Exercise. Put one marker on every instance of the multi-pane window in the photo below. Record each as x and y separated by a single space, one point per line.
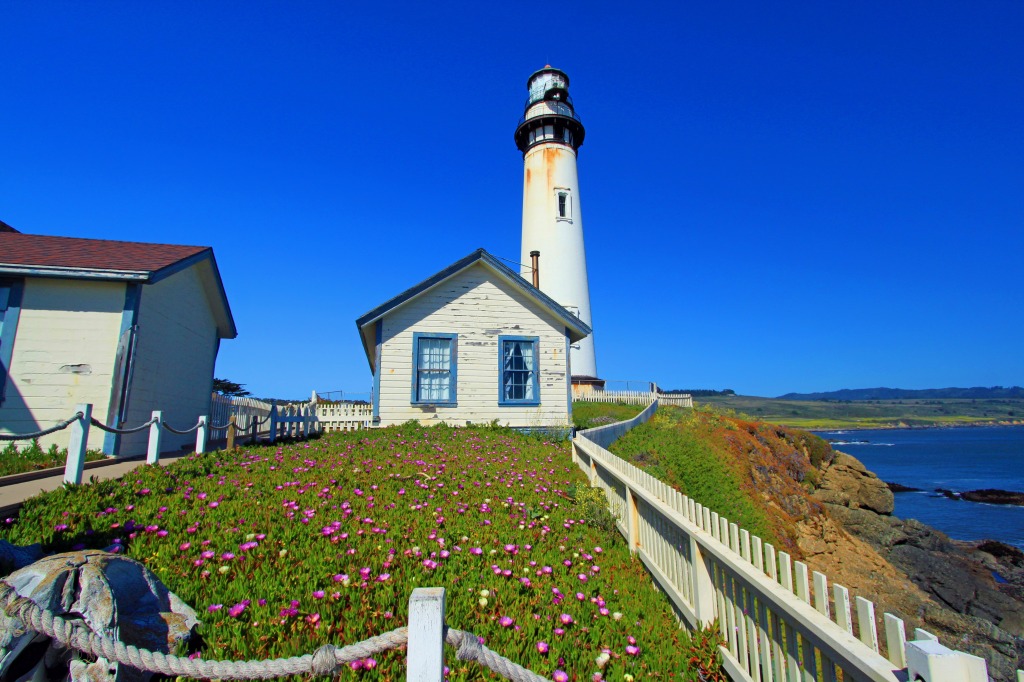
518 363
564 208
434 368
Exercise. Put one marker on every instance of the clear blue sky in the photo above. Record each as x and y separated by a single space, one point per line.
776 196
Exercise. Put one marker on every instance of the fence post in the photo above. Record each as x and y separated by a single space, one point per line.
426 635
273 422
153 454
703 585
632 521
201 435
232 427
75 463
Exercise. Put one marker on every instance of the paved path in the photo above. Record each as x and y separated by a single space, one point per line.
12 494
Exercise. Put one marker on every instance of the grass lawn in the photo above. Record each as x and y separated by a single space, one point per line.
586 415
866 414
677 446
283 549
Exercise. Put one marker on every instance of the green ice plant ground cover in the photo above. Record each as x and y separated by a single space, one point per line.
283 549
15 459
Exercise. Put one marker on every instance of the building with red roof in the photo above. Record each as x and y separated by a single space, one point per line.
128 327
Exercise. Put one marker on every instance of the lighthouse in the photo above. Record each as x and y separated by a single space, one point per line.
549 135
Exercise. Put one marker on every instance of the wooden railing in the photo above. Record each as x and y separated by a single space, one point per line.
713 570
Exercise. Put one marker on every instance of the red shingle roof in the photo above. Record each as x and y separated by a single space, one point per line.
90 254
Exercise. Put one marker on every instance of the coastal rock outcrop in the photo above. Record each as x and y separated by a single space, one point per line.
955 592
847 483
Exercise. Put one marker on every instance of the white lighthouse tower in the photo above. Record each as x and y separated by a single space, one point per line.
549 135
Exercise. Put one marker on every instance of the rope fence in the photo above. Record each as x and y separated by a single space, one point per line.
45 432
184 432
327 660
122 432
288 421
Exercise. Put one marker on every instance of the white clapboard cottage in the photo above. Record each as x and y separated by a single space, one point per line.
474 344
126 326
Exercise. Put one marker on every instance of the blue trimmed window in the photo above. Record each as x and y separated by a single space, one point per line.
435 368
518 371
10 307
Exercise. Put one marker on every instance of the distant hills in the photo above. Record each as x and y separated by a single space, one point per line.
853 394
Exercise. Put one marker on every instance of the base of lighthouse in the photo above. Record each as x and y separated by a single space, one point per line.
584 385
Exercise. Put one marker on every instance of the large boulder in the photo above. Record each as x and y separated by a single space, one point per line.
847 483
112 595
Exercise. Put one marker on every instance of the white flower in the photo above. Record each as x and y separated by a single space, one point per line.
602 660
485 593
223 569
617 615
282 554
482 601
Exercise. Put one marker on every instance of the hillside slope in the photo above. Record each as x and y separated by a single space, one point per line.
791 488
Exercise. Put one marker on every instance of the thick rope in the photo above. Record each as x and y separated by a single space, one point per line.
181 433
45 432
110 429
469 648
325 661
219 427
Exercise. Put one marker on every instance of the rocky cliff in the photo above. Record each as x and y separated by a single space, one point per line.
953 590
827 510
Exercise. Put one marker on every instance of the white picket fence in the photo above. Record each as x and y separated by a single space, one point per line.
634 397
778 623
343 416
245 410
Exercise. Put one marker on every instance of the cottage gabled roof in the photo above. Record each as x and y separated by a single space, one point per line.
578 329
101 255
35 255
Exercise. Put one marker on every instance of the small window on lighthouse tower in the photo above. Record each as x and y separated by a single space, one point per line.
564 204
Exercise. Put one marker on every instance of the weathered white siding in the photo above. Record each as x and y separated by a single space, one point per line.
478 306
63 355
174 360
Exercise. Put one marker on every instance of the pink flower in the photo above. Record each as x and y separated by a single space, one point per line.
542 647
370 663
565 619
506 622
213 608
318 594
237 610
632 650
560 676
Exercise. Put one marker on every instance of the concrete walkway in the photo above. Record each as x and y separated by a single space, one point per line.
14 489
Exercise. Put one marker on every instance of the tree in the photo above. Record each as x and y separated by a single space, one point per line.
229 388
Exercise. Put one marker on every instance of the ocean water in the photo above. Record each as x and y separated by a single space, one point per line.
960 459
